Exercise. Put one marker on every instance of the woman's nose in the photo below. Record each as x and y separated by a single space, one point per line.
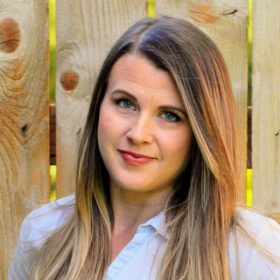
141 130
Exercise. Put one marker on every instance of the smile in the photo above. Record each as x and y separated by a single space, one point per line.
133 158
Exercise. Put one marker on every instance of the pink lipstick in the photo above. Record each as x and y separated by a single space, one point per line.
133 158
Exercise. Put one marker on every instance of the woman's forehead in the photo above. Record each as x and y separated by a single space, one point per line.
138 69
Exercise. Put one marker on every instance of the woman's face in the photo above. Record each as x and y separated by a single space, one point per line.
144 135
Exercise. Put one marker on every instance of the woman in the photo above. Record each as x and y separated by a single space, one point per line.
156 174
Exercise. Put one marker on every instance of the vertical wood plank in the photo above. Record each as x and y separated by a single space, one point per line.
226 24
266 106
24 121
86 30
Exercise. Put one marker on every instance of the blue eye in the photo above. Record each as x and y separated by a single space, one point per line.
170 116
125 103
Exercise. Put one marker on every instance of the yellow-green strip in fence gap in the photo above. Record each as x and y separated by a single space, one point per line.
249 192
151 8
53 182
52 44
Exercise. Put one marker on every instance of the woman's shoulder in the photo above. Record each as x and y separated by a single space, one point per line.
264 230
35 229
42 221
255 245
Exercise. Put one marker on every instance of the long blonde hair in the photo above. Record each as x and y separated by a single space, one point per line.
200 210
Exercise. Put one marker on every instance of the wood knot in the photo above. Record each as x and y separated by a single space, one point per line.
69 80
203 12
9 35
79 132
24 130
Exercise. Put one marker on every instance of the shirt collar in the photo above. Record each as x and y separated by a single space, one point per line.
158 224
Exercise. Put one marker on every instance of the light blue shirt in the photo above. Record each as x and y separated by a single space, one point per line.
140 258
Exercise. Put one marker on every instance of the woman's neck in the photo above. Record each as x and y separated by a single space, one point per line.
132 209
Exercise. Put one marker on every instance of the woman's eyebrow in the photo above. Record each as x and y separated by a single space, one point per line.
122 91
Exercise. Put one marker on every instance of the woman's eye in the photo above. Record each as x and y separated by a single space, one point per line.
125 103
170 116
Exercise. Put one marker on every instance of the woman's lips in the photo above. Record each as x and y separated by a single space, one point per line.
133 158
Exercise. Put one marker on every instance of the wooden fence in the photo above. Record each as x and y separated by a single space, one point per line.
85 32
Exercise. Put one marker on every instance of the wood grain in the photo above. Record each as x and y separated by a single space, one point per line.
24 122
86 30
226 24
266 106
